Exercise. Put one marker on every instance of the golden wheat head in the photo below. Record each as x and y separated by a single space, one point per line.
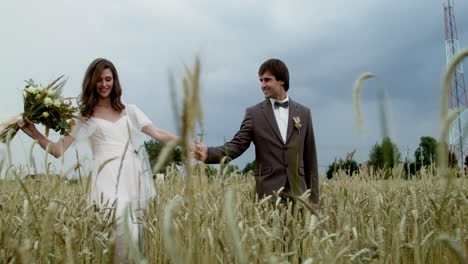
357 101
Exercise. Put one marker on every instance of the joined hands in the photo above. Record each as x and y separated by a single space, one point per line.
201 151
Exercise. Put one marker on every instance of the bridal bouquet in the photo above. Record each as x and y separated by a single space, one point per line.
42 105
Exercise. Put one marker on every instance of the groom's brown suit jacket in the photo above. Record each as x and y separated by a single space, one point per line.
276 162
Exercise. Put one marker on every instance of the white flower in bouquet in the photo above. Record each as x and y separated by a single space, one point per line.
51 91
32 90
57 103
45 114
48 101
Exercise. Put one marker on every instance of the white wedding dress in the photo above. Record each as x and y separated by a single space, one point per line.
121 171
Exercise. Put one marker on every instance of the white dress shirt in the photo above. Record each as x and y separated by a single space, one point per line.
281 116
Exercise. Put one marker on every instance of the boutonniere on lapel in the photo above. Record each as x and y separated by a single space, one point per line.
297 123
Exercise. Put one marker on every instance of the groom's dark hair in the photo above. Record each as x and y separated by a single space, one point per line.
278 69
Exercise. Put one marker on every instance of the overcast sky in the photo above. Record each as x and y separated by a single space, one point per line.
326 45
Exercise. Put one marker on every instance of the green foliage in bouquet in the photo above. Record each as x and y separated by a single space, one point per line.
46 106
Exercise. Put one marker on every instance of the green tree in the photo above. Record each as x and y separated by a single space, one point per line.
349 166
384 155
229 168
426 153
249 167
411 168
153 148
451 156
452 160
210 170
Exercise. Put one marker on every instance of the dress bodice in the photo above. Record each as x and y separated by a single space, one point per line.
110 138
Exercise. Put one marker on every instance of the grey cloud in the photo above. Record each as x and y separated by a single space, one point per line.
325 44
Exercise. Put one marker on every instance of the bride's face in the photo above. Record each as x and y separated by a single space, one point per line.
105 83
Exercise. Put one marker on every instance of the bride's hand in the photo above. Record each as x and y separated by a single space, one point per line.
29 128
201 151
192 147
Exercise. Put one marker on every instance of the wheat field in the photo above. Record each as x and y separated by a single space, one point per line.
362 219
218 219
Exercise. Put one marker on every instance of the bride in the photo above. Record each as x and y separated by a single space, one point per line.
120 174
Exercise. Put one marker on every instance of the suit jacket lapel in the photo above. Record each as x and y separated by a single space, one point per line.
270 116
293 112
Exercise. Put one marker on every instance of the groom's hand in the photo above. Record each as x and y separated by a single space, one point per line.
201 151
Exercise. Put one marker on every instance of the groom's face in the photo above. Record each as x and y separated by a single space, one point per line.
271 87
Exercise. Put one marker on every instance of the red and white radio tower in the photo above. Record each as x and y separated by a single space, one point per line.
457 93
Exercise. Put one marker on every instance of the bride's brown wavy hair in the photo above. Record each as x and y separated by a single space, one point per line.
89 96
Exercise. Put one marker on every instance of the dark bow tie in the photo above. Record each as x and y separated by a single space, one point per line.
283 104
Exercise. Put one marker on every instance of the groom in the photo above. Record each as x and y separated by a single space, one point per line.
281 130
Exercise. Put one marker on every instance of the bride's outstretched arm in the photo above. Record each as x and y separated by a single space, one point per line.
56 149
164 136
160 135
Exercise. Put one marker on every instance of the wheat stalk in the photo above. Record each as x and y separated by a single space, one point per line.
356 98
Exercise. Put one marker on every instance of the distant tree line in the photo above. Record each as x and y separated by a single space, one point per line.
386 156
383 156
